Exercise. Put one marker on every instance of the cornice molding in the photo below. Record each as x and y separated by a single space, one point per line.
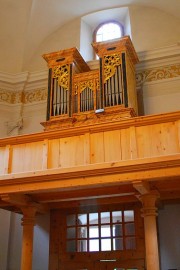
23 81
23 76
13 78
159 53
38 76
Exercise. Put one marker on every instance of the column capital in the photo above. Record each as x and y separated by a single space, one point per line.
149 203
29 213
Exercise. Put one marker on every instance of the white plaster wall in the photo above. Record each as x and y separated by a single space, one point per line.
169 236
4 118
152 28
13 234
33 115
15 243
162 96
85 41
65 37
4 238
12 38
9 117
127 25
41 243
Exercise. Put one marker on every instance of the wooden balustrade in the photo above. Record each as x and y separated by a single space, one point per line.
129 140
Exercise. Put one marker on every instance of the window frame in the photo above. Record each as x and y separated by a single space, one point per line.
110 222
107 22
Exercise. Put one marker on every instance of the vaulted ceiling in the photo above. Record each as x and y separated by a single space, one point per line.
25 24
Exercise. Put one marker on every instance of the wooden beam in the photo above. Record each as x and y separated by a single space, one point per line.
16 199
102 192
93 176
3 204
141 187
20 200
93 202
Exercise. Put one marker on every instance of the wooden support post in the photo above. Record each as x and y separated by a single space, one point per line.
133 143
149 212
7 159
28 222
45 155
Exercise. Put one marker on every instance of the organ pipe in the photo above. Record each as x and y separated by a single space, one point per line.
113 89
86 100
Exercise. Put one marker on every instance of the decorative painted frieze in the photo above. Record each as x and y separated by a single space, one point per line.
5 96
11 97
15 97
36 95
155 74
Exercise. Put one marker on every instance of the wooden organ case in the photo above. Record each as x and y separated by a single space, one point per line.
79 96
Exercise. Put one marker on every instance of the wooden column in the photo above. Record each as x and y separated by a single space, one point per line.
149 212
28 222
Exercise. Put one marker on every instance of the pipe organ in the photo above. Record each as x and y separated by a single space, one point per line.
77 94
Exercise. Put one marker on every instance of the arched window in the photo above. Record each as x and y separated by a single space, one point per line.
108 31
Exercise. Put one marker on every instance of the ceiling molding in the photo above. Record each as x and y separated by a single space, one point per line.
159 57
23 81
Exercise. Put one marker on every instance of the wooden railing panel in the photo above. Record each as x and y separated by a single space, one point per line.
54 154
157 140
72 151
97 147
87 148
144 142
17 158
169 138
27 157
157 147
2 160
177 124
133 143
112 145
125 144
66 152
